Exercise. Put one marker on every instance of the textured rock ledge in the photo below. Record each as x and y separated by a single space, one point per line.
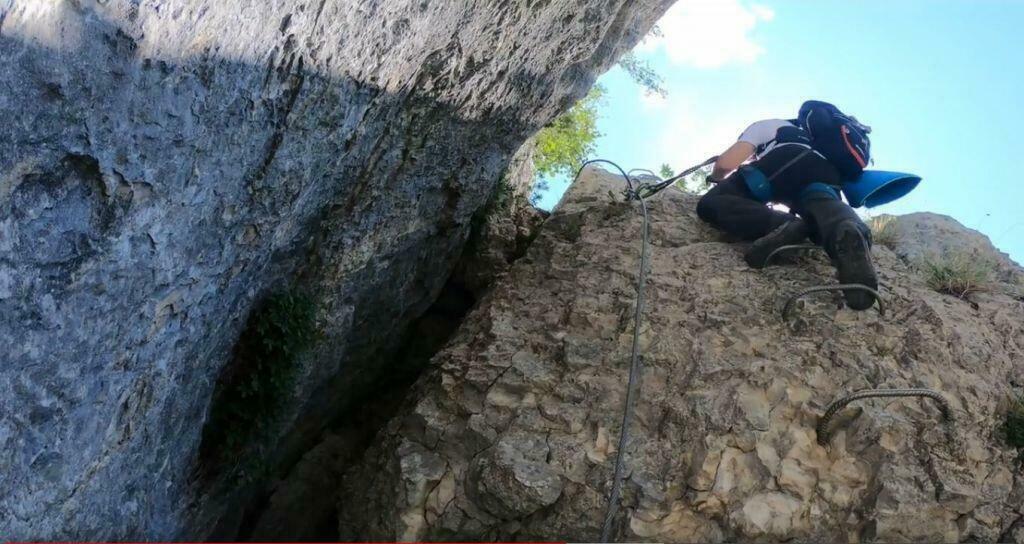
512 434
165 164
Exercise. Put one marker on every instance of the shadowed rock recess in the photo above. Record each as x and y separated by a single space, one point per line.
512 433
165 165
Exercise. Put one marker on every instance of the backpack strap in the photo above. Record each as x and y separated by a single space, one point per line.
790 163
760 186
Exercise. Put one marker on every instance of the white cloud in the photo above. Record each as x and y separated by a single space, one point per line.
763 12
689 135
709 33
690 131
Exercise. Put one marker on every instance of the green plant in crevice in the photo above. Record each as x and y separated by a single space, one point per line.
1013 426
959 274
262 370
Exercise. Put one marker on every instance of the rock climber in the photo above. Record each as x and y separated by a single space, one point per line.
799 163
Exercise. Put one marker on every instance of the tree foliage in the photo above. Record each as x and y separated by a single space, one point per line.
566 142
643 75
696 182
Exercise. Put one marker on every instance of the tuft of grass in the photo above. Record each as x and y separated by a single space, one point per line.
884 231
1013 427
960 274
250 390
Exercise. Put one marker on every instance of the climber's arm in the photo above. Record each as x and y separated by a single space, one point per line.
730 160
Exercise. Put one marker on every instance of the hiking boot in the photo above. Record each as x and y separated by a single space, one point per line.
851 255
791 232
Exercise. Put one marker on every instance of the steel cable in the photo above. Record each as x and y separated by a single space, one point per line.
632 388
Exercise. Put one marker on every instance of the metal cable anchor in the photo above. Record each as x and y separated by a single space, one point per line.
824 434
787 309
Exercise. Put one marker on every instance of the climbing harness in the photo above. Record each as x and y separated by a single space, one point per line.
825 434
787 309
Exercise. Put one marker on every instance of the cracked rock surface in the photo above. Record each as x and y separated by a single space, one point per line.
512 434
164 164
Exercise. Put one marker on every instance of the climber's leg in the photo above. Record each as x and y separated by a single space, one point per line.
792 232
837 228
824 213
730 206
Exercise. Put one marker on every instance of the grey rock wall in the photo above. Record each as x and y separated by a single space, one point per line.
164 163
925 236
513 432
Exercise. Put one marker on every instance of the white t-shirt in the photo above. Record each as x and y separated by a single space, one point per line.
762 135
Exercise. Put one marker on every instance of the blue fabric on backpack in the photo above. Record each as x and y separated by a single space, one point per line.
757 182
877 187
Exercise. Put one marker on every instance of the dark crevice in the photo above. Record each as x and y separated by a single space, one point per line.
1014 526
319 12
252 385
353 430
370 411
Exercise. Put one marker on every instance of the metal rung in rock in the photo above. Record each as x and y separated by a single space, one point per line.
783 249
825 434
787 309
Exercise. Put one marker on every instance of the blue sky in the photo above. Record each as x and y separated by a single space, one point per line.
941 82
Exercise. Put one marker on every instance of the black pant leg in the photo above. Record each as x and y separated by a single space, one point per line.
824 213
730 206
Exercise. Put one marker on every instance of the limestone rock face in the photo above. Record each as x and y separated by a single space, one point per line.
164 164
928 235
513 433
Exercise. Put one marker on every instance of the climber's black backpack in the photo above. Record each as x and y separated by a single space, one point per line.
839 137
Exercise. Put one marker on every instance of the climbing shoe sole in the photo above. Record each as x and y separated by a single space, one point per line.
853 264
791 232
